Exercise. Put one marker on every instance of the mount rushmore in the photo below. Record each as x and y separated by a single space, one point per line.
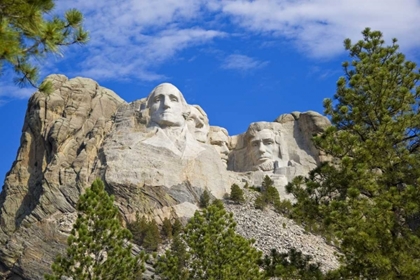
157 155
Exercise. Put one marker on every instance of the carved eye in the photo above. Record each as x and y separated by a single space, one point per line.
268 142
255 144
174 98
157 99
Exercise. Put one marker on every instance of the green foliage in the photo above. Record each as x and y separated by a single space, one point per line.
367 199
145 233
269 195
26 34
236 194
152 238
267 182
167 228
284 207
204 199
138 229
98 246
177 227
260 203
173 265
209 248
255 189
291 265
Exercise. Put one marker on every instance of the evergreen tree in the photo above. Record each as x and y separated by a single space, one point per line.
26 34
236 194
367 198
269 195
138 229
177 227
291 265
174 264
167 228
213 250
204 199
98 245
152 238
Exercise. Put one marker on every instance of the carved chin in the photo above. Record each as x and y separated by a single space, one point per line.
167 121
201 136
266 166
224 160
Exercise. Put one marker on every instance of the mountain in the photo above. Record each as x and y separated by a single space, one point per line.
156 155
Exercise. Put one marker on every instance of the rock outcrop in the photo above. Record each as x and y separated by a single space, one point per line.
156 155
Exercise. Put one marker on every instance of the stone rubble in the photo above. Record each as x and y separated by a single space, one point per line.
271 230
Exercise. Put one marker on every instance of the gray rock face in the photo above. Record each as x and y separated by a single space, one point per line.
61 138
156 155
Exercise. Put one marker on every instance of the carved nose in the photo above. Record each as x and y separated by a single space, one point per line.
225 149
166 104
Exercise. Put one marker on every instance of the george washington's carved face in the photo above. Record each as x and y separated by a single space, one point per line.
166 106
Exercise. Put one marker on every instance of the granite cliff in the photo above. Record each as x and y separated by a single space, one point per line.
156 155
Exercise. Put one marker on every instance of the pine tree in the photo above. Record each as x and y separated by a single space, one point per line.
236 194
213 250
98 245
138 229
269 195
173 265
152 238
25 34
205 199
177 227
291 265
167 228
367 199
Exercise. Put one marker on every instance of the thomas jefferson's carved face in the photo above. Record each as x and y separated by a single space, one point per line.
198 124
263 149
166 107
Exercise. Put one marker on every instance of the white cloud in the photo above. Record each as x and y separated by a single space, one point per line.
319 27
131 39
138 59
9 90
242 62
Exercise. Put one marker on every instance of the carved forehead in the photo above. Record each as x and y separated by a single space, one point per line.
262 135
166 89
218 133
218 136
261 130
197 111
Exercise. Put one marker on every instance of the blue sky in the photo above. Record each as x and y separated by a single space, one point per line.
241 60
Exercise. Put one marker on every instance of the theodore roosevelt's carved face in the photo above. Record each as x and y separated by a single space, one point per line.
263 149
166 106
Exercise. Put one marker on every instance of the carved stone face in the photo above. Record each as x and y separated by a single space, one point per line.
166 106
198 124
220 141
263 149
